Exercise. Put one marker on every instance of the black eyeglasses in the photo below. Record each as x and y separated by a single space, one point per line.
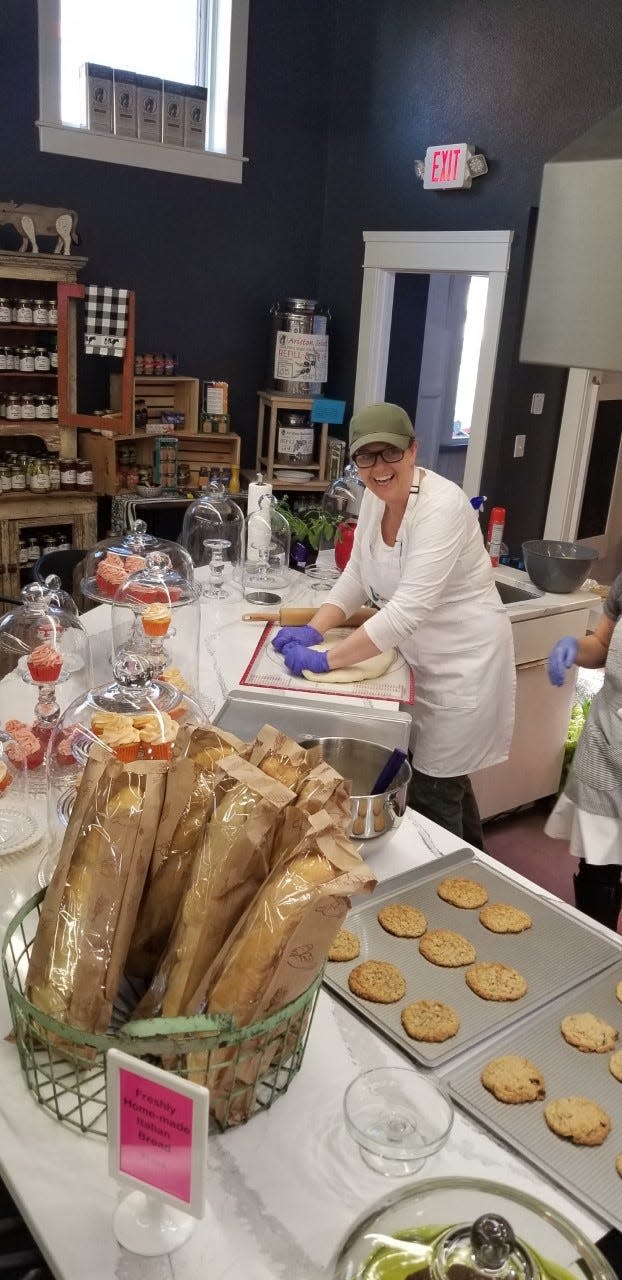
365 460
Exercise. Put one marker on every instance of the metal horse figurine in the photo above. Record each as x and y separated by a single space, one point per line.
32 220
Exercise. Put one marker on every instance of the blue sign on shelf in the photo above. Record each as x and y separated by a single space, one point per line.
328 410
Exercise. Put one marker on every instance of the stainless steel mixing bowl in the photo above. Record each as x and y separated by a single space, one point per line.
360 763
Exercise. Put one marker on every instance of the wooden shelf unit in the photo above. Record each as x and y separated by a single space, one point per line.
41 275
22 512
195 449
176 394
270 405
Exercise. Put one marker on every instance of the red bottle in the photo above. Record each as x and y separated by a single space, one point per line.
494 537
343 543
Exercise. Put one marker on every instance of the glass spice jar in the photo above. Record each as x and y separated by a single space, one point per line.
6 310
38 476
42 407
42 360
148 364
53 357
10 355
33 551
40 312
54 406
28 406
139 365
170 364
52 312
24 311
22 552
54 471
158 364
63 541
18 476
26 360
5 477
67 473
14 406
84 474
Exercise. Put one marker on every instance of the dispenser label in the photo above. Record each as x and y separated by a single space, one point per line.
301 357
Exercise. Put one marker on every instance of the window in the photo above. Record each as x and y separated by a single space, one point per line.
469 360
199 42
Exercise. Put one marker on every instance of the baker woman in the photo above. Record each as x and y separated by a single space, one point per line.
589 812
418 554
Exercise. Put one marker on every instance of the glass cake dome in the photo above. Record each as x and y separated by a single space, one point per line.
110 562
134 717
42 647
213 535
19 827
156 613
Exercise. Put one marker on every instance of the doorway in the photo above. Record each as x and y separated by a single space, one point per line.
586 494
457 255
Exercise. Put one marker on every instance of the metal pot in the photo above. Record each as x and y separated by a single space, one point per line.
360 764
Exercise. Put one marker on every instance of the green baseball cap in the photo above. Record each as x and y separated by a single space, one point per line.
381 424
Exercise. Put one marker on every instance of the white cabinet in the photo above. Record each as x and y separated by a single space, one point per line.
534 766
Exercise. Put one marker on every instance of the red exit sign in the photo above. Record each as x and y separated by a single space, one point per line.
446 166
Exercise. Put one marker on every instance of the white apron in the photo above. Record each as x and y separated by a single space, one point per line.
465 675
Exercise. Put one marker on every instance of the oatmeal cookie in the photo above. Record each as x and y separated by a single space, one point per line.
377 980
443 947
493 981
513 1079
402 920
429 1020
579 1119
501 918
345 946
462 892
588 1033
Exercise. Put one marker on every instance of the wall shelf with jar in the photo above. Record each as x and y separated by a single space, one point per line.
27 517
291 450
121 464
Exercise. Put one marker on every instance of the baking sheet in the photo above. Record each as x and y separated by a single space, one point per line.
557 953
267 670
589 1173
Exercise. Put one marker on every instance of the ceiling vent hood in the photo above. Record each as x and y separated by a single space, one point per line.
574 304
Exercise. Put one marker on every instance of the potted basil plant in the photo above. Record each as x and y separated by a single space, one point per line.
310 528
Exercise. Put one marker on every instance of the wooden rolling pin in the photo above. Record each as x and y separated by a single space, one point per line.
290 617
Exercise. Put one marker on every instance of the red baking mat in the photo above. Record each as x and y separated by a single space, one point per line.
266 670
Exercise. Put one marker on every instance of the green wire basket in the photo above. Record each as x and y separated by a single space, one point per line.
246 1069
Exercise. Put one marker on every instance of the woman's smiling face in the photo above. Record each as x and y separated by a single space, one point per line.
390 481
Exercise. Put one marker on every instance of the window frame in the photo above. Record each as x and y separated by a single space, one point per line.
69 140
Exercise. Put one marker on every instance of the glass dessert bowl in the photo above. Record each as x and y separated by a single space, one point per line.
399 1117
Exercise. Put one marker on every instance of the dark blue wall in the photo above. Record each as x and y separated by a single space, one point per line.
519 78
342 95
207 259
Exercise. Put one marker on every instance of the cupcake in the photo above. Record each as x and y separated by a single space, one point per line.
110 577
134 564
156 620
64 754
157 734
103 722
173 676
45 664
5 777
125 743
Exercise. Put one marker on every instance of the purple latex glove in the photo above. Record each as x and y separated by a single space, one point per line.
295 635
299 658
561 658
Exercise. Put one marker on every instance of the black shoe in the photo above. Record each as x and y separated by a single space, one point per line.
597 899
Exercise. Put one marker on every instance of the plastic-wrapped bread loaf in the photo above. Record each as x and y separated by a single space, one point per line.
274 954
187 810
282 758
232 861
90 906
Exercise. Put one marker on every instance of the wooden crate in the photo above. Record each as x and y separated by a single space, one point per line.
196 450
177 395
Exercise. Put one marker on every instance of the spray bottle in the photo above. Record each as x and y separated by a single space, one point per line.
494 537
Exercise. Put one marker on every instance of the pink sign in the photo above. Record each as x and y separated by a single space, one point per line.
155 1135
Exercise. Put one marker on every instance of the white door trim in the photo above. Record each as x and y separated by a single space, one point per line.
573 453
472 252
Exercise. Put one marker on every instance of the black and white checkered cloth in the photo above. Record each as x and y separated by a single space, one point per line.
105 321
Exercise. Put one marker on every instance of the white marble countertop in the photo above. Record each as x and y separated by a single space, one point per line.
283 1190
541 604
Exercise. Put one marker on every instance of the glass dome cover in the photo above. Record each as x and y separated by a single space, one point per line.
156 614
18 826
443 1228
344 495
134 717
45 646
109 563
213 532
268 541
